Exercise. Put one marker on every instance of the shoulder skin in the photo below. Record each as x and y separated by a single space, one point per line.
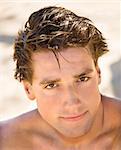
19 131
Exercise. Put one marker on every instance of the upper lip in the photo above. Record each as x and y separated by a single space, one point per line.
73 116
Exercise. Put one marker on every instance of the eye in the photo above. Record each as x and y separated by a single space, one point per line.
50 86
83 79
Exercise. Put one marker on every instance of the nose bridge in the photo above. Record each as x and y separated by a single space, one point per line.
71 95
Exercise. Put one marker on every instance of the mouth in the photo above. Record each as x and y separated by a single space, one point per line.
74 117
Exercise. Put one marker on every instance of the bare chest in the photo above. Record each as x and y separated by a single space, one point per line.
34 142
44 145
102 144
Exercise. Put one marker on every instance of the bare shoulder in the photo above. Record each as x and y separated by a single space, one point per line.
112 103
112 110
23 121
18 131
112 119
26 132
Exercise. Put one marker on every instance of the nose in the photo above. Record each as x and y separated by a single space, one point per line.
71 96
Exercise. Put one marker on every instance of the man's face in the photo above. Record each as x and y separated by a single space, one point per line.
67 97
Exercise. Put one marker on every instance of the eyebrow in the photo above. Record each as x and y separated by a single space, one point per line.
47 80
87 71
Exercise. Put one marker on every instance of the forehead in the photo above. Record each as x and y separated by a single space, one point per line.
70 59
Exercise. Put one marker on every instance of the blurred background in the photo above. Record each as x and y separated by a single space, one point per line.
13 15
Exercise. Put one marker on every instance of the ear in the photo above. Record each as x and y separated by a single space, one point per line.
99 74
28 89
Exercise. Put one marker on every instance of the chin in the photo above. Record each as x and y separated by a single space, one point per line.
75 133
77 130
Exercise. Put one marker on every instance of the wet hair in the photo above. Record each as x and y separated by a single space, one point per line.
54 28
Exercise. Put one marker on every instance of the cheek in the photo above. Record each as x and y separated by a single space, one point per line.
46 98
91 95
47 105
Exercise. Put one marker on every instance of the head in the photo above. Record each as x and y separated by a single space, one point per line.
56 57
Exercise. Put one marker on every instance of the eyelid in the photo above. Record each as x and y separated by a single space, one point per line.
85 73
48 84
82 77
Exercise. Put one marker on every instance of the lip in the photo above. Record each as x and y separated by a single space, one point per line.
74 117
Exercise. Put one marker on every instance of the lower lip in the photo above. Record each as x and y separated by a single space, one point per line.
74 118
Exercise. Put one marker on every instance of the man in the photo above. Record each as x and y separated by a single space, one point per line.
56 59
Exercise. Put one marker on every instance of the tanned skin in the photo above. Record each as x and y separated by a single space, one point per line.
71 113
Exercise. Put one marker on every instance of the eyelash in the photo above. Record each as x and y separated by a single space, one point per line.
49 86
83 79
